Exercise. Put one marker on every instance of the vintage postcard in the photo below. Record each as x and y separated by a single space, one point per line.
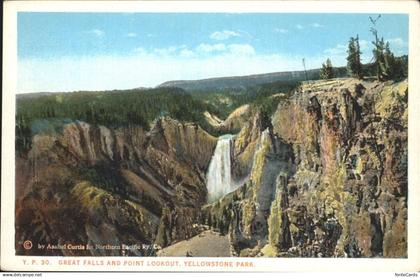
210 136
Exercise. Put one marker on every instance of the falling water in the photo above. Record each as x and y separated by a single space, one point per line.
219 175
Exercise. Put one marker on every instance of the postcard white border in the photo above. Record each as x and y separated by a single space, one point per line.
11 262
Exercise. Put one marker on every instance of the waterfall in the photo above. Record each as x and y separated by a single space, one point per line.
219 175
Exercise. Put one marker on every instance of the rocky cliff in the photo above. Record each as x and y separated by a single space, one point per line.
233 123
324 176
328 175
96 185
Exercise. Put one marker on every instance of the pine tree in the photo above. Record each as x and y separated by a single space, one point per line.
389 63
354 65
327 70
378 50
386 65
387 68
379 59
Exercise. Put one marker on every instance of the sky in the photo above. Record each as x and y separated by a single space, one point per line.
105 51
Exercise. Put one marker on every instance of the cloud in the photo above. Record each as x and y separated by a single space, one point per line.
171 50
202 50
317 25
186 53
232 49
96 32
241 49
223 35
131 35
398 46
397 43
364 45
281 30
245 34
313 25
339 49
207 48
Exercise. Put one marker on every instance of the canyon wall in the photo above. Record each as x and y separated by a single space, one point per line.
328 175
99 185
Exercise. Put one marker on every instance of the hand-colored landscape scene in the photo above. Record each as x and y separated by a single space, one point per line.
212 135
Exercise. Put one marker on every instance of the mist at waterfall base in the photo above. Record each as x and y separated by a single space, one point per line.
219 174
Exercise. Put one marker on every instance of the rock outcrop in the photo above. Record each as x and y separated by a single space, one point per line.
328 175
112 186
233 123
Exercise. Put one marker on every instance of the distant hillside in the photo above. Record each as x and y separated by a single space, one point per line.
243 81
33 95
